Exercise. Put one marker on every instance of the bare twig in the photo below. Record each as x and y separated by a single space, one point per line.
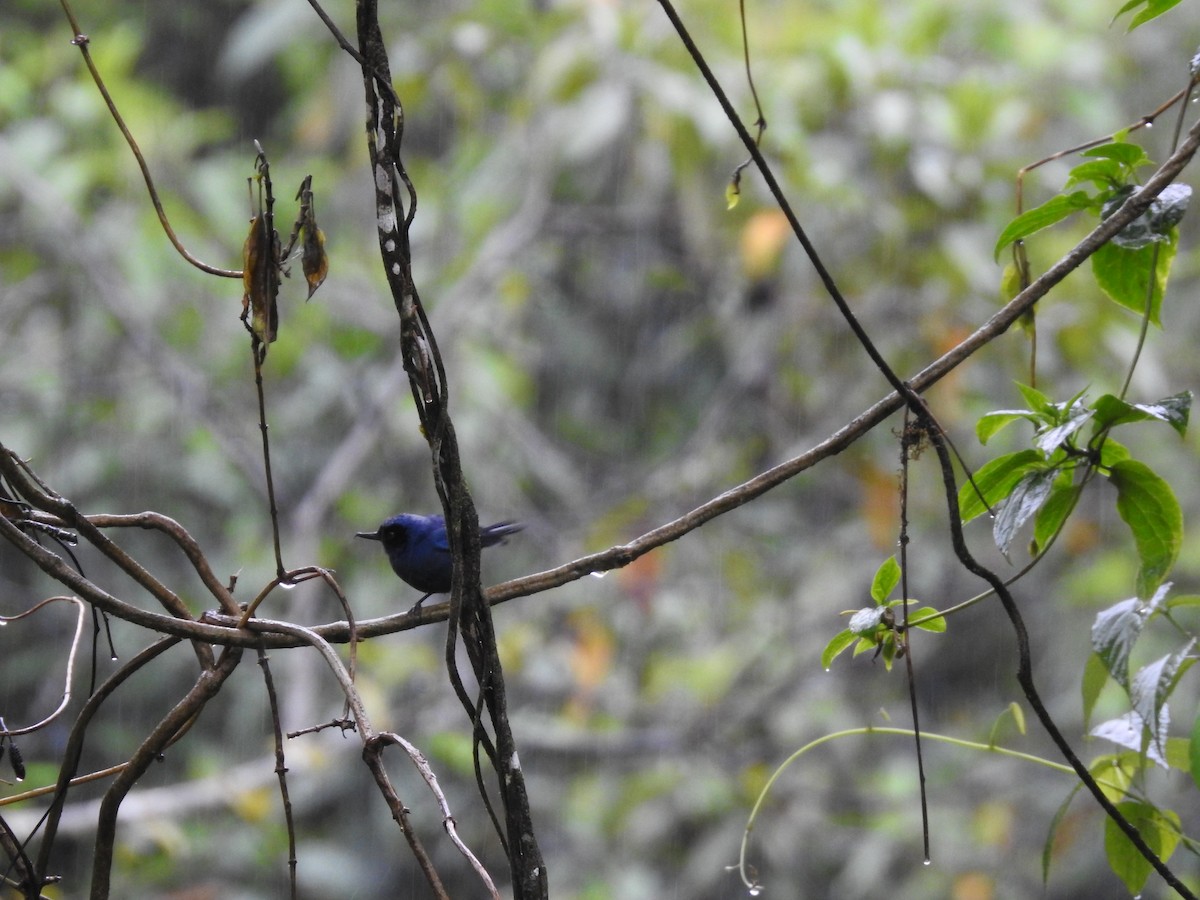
280 767
80 618
178 719
81 41
373 753
74 748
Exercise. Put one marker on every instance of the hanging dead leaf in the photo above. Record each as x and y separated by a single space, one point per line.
261 264
313 259
260 280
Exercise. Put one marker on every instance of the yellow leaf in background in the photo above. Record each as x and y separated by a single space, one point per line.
763 240
592 650
973 886
255 805
880 506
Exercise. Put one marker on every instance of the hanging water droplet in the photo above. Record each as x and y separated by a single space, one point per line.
928 862
598 574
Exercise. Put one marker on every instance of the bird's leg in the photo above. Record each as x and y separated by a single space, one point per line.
416 607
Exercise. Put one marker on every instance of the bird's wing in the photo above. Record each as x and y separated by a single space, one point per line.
439 539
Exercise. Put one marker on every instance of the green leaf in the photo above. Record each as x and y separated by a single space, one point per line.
992 422
1159 828
995 480
1173 410
1117 628
1025 499
1010 283
1194 751
1112 453
1182 601
1114 773
1103 173
937 625
1129 155
1149 508
1152 686
887 576
1054 511
1031 221
1126 275
1049 845
1179 754
1053 438
833 649
1095 676
1154 9
1132 732
1037 401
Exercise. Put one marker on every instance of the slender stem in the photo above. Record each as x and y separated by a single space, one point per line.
81 41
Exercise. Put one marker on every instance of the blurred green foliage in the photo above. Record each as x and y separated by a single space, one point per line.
619 349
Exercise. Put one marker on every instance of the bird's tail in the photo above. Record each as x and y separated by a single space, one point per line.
496 534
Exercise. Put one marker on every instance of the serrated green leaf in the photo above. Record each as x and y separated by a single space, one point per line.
1117 628
1054 512
1025 499
1132 732
1151 688
1031 221
1126 276
887 576
1159 828
1095 676
1148 506
1174 410
995 480
1053 438
1179 754
833 649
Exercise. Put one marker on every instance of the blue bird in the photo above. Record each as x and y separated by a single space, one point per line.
419 549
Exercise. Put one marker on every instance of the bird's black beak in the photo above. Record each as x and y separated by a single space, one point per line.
369 535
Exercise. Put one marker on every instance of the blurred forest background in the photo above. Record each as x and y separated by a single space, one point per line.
620 348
